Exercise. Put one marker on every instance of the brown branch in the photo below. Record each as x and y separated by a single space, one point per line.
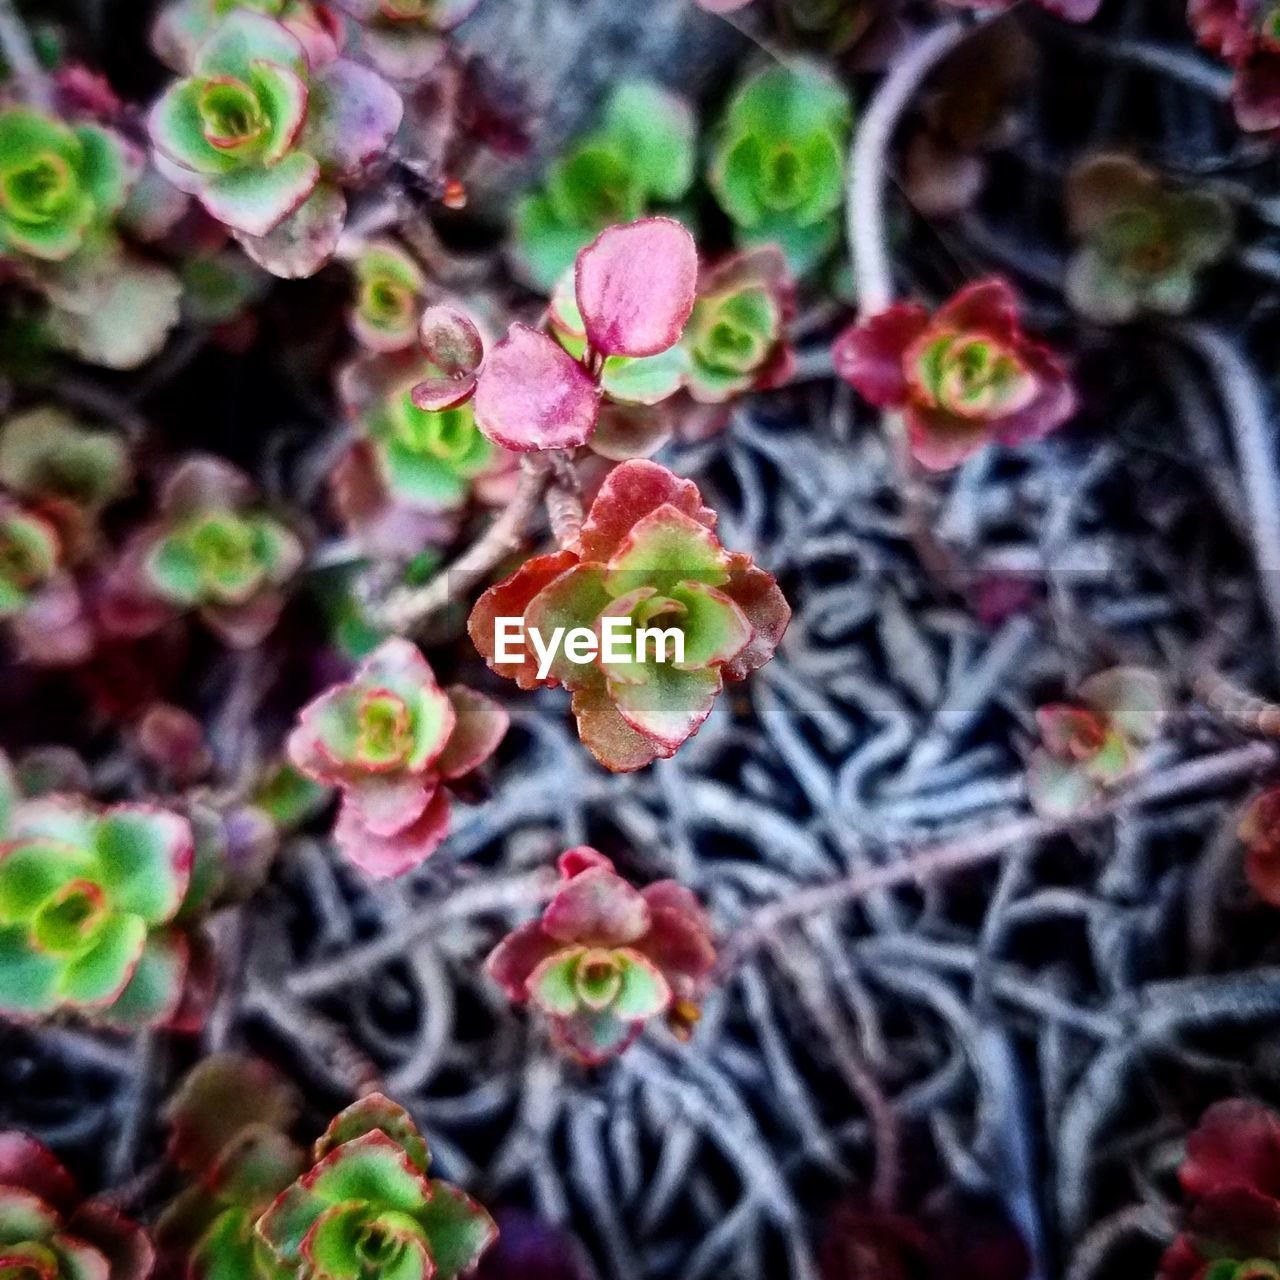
408 608
971 851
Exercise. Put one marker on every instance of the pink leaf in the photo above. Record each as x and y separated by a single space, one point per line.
453 345
533 395
636 287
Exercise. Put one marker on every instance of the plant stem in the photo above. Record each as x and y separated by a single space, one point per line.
406 609
972 851
1255 439
28 75
869 164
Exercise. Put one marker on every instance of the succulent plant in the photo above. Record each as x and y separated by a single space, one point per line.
182 26
1260 832
88 901
429 460
228 1134
213 551
1143 244
647 554
368 1207
1231 1177
390 289
969 109
1091 744
963 377
605 958
1246 33
47 1231
60 186
634 290
640 159
403 38
267 142
736 337
778 163
391 739
49 457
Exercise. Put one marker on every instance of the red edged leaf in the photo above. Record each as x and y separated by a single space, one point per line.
452 343
869 355
393 855
480 725
582 857
28 1164
532 394
597 908
636 287
512 961
630 492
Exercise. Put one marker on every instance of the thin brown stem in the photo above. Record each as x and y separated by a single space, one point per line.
408 608
971 851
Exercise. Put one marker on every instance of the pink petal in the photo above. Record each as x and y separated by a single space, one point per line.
597 908
393 855
869 355
533 395
636 286
481 724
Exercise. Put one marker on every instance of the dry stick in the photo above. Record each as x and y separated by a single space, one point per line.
971 851
869 164
28 75
1255 438
869 246
408 608
1235 704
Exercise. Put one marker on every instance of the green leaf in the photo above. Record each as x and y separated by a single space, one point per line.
553 984
32 871
647 379
256 201
102 972
458 1229
644 992
156 986
145 858
28 979
372 1169
663 550
657 133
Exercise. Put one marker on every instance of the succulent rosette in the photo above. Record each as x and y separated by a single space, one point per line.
88 901
962 378
48 457
212 550
48 1232
60 185
1091 744
777 168
392 740
390 292
182 26
267 142
429 460
640 158
228 1126
605 957
403 38
1246 33
1143 243
368 1207
736 337
1260 832
1231 1177
647 553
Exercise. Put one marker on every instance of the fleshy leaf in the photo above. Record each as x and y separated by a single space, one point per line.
452 343
532 395
636 286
